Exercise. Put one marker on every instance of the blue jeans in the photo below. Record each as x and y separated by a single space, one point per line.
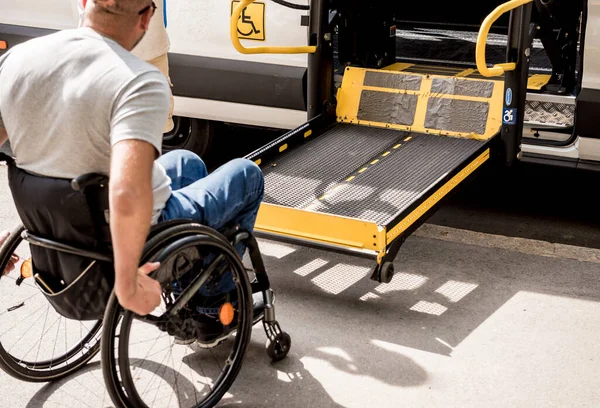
231 194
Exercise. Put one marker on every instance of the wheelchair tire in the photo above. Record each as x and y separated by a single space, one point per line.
115 357
43 371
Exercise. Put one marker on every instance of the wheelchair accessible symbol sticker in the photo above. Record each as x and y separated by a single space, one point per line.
251 25
509 117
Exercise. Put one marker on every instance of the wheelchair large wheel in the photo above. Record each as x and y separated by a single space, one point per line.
36 343
162 360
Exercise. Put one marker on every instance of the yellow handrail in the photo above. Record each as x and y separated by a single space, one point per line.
233 32
498 69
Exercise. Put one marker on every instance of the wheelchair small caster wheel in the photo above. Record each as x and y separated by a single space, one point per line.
279 347
387 272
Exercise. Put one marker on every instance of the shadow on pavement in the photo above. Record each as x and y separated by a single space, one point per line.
73 391
303 379
441 293
297 381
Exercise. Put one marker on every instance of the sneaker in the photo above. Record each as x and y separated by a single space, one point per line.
212 331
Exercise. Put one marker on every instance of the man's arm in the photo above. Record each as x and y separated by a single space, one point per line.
131 201
136 136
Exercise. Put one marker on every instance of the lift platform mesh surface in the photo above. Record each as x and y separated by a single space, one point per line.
366 173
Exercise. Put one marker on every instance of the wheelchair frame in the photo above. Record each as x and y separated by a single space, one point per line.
162 242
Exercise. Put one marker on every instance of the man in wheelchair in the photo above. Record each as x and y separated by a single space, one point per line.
78 102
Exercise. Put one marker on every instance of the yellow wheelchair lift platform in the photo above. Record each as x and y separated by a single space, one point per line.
363 178
400 144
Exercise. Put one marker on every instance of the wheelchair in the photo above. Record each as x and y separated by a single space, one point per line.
69 272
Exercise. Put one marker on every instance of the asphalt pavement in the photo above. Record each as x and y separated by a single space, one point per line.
495 303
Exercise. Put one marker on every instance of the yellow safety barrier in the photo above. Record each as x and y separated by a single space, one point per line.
237 12
498 69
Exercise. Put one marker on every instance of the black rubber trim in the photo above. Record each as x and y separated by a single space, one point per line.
588 165
566 162
15 35
547 160
250 83
588 106
293 138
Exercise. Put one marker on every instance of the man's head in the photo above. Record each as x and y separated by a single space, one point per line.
126 21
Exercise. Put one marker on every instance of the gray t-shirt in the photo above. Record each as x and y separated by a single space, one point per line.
66 98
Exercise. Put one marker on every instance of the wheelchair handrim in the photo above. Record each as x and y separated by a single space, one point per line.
127 394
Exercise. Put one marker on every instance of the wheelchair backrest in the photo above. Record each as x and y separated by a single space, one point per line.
51 209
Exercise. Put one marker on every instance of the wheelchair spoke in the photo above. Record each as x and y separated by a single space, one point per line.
56 339
19 322
216 361
156 352
204 375
156 372
31 346
194 287
40 343
192 376
29 328
145 359
176 383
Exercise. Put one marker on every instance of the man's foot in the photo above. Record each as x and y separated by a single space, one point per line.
212 331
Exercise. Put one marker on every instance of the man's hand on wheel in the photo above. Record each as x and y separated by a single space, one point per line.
13 259
146 296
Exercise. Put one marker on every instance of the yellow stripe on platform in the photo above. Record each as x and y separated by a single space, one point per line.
436 197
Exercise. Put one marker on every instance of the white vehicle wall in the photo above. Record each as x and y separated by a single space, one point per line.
211 79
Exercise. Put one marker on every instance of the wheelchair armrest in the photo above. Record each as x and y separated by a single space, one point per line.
86 180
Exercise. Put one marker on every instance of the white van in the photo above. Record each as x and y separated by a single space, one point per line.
213 83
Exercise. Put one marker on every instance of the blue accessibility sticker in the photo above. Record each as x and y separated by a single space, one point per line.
509 117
